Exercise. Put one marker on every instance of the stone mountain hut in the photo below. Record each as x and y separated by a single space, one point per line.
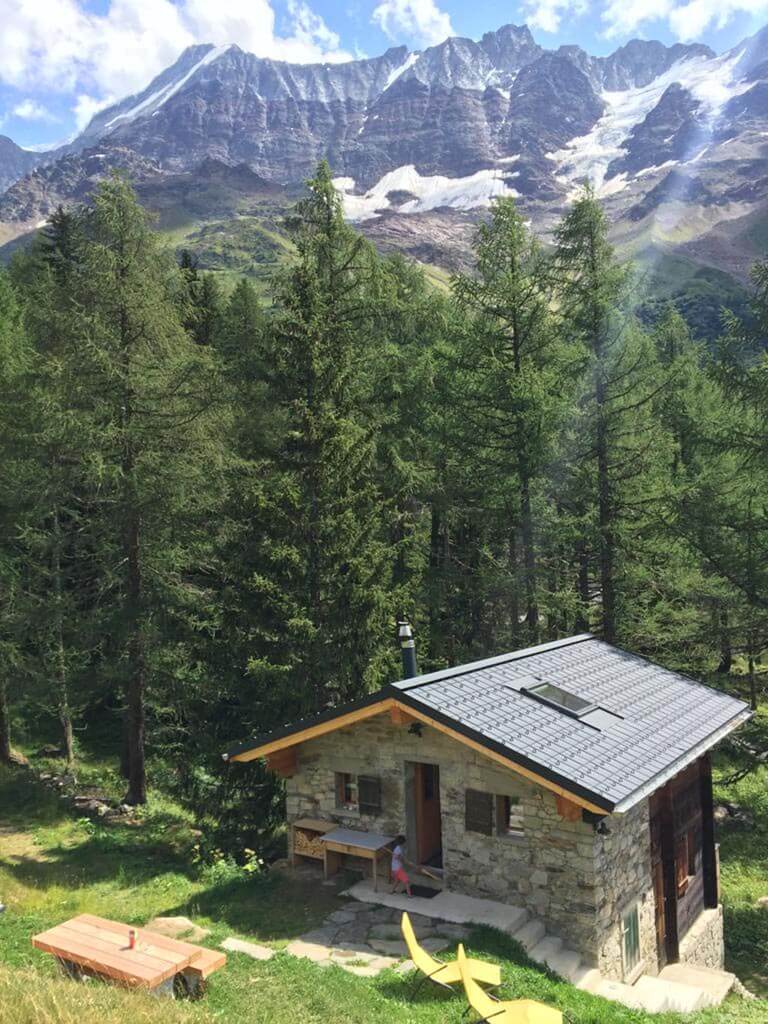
572 779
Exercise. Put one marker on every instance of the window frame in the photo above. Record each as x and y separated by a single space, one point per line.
504 812
342 782
632 910
535 692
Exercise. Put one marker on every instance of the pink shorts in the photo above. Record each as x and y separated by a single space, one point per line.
400 876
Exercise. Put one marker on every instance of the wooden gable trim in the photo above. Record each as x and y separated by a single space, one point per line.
567 809
284 762
313 731
399 716
409 713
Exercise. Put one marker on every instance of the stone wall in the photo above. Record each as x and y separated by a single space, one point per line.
703 944
550 870
624 878
578 881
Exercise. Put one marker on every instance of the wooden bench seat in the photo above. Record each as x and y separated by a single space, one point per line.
206 962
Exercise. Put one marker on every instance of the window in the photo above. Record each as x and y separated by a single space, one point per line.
686 848
358 793
369 794
509 817
630 932
694 842
561 699
682 864
478 812
346 791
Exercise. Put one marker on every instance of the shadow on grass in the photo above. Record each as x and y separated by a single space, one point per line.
132 855
26 803
272 907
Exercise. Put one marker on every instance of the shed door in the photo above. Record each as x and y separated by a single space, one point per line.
429 833
658 893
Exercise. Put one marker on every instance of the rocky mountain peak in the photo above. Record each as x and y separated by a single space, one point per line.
15 162
510 47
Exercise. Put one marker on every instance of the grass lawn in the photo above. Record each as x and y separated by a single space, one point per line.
53 866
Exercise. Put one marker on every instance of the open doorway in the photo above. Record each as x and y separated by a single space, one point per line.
425 830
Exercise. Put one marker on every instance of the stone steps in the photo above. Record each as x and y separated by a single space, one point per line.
716 984
679 988
531 933
670 995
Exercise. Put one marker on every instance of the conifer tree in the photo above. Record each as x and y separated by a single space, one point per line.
15 421
150 389
317 584
621 438
513 377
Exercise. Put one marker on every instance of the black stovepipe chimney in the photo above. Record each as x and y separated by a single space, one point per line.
408 649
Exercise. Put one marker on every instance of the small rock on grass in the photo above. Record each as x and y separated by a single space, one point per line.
405 967
308 950
251 949
176 927
362 971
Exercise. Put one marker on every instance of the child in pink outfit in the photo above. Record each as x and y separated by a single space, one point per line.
399 874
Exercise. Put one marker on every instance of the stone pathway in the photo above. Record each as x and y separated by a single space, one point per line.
365 939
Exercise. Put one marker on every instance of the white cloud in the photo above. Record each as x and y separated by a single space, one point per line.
61 45
686 21
86 106
421 20
31 110
547 14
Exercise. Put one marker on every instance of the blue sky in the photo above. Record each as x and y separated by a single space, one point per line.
60 60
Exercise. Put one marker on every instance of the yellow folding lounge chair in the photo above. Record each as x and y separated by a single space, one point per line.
514 1011
446 974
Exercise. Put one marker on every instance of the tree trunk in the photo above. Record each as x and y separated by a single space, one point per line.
605 514
65 715
581 623
137 782
514 602
724 633
5 726
751 671
436 560
529 561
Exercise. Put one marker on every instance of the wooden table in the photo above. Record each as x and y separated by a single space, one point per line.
94 945
343 841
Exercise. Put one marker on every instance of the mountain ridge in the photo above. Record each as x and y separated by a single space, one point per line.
670 136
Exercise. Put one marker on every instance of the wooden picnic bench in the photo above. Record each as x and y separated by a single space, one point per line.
93 946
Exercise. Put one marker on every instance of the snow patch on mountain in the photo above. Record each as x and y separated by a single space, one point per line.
393 76
429 192
710 81
157 99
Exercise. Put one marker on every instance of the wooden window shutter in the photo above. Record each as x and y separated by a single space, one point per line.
681 864
478 812
369 794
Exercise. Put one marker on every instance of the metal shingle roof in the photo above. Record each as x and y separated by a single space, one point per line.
664 720
665 716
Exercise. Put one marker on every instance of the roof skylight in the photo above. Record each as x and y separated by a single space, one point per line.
557 697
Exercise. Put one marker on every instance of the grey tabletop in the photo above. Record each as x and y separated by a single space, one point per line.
353 837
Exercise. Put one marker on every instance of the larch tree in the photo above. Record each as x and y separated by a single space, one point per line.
316 578
16 476
511 378
152 391
621 438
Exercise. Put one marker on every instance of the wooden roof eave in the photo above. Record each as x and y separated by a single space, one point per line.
401 702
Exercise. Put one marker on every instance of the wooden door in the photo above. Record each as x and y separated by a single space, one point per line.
429 831
658 894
